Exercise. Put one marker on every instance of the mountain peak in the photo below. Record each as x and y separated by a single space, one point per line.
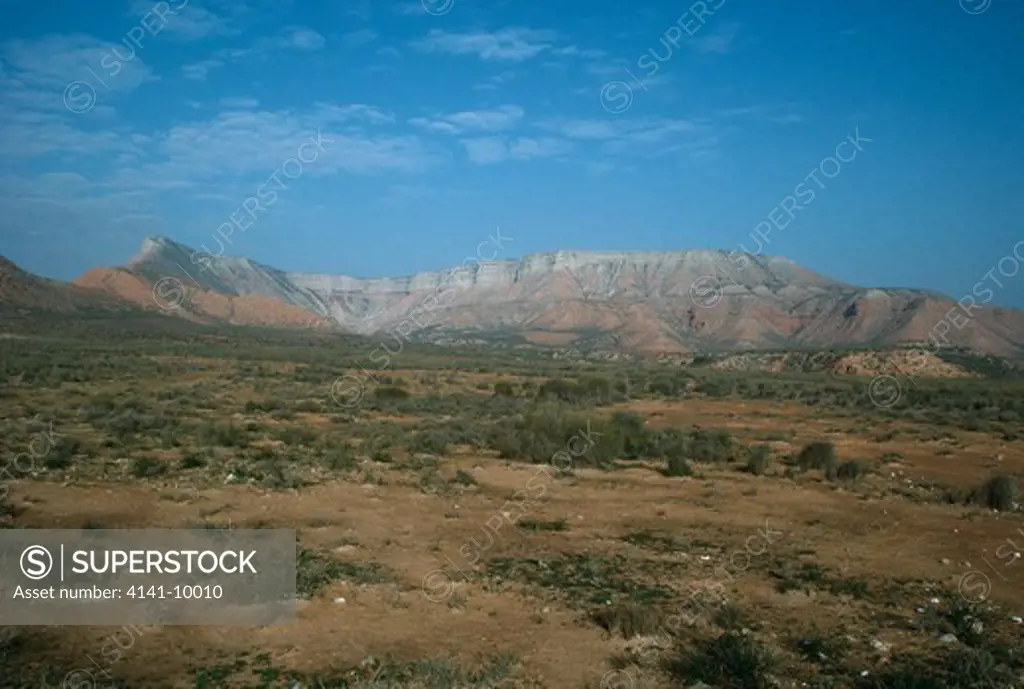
154 246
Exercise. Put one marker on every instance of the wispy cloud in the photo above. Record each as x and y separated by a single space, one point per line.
498 119
292 38
489 150
641 130
512 44
189 22
718 43
198 71
51 62
238 103
299 37
495 82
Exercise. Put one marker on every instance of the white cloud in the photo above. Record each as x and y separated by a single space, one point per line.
239 103
304 39
190 22
293 38
198 71
52 62
498 119
512 44
642 130
489 149
494 82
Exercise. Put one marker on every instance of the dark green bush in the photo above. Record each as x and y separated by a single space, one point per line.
390 393
678 466
997 493
759 458
504 389
731 661
851 470
711 446
144 467
820 454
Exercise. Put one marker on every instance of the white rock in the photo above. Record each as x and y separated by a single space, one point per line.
339 600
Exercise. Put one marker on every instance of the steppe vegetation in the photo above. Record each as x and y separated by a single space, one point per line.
507 519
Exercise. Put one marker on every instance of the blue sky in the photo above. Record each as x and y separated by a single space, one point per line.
443 120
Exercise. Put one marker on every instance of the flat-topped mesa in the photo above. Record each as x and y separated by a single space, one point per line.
643 298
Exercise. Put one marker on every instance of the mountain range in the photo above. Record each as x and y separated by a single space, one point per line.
641 302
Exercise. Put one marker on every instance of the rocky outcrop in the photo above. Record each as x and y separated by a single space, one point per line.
652 302
175 297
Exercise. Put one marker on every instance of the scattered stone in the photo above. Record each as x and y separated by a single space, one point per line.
945 560
948 639
339 601
880 646
978 627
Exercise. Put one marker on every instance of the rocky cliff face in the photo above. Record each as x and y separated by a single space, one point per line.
643 301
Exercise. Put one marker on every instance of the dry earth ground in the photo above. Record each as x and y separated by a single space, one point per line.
888 548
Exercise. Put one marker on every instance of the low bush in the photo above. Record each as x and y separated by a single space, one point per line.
818 455
144 467
851 470
759 458
997 493
731 661
678 466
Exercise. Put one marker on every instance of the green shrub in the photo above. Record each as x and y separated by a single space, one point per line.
759 458
710 446
340 458
998 493
820 454
144 467
678 466
223 436
540 525
389 393
464 478
562 390
60 457
629 619
503 389
192 461
432 442
731 661
851 470
818 646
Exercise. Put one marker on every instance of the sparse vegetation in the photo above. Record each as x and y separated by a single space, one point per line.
732 661
585 523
